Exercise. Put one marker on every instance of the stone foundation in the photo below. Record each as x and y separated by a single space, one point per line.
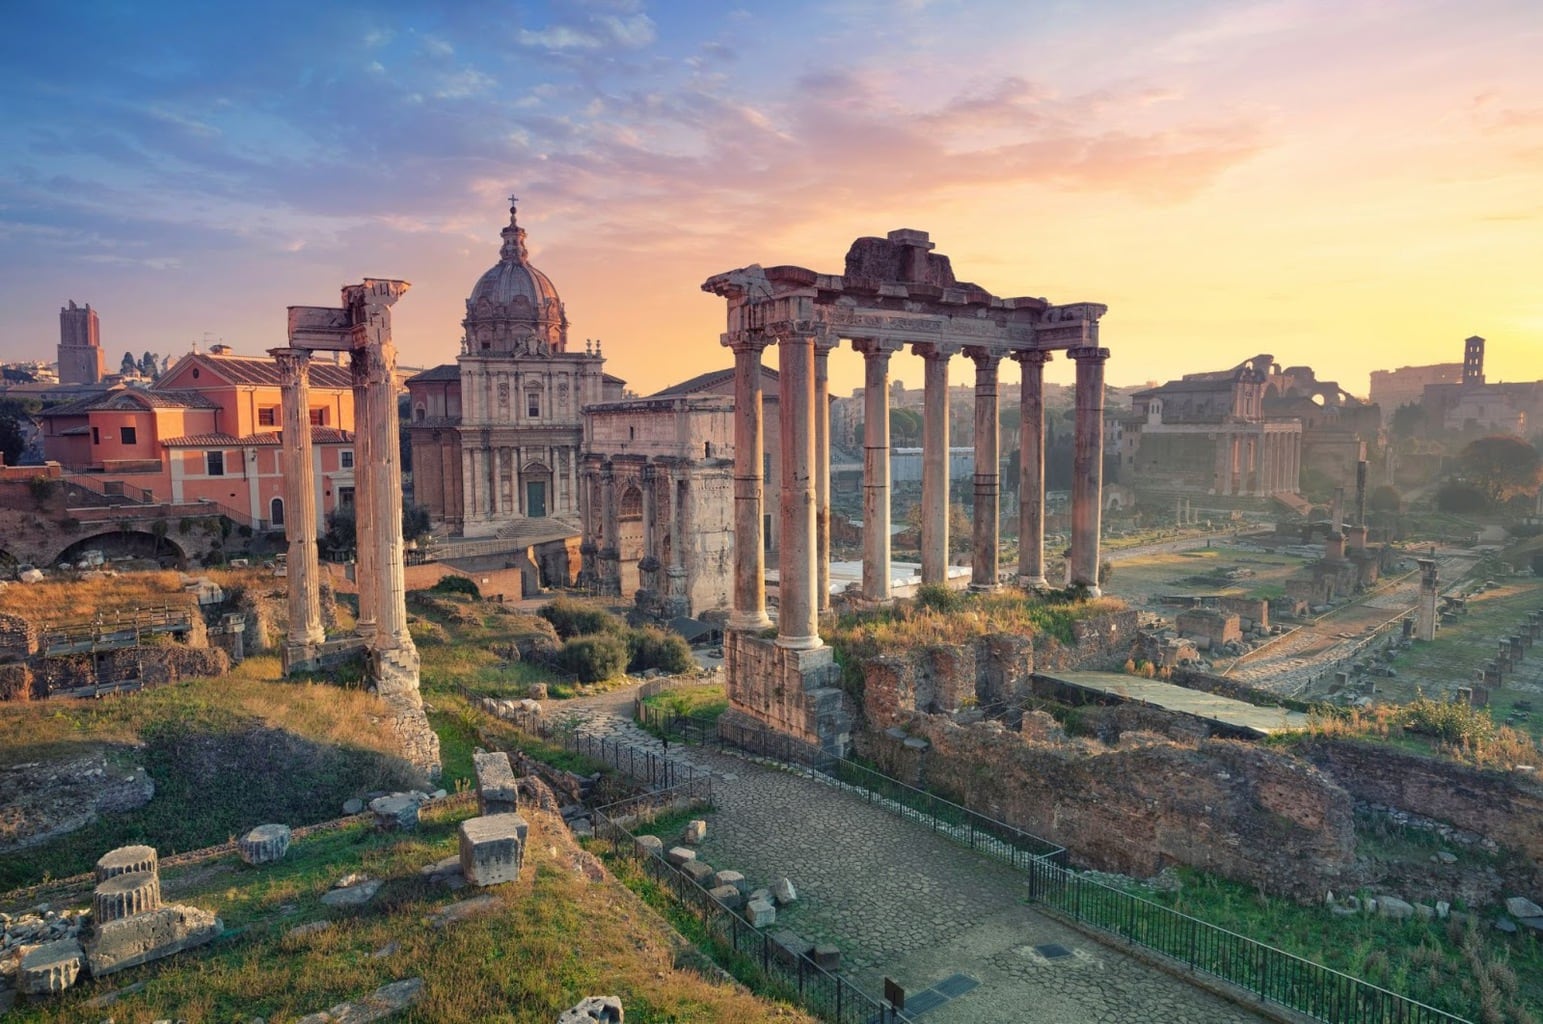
795 692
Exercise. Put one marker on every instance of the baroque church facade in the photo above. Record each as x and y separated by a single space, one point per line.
497 436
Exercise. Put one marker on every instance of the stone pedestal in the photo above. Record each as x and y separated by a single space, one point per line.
265 844
794 692
492 848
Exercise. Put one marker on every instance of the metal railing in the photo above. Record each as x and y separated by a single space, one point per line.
784 971
1269 973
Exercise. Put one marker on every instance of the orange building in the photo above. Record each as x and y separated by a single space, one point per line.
208 430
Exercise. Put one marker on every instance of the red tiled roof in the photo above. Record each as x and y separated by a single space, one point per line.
264 370
267 439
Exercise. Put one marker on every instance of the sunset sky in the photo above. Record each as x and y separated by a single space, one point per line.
1347 184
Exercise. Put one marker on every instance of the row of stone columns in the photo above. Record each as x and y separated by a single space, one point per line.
804 509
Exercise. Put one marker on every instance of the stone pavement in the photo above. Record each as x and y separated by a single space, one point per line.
902 901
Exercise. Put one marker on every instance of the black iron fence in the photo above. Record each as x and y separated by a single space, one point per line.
783 971
1271 974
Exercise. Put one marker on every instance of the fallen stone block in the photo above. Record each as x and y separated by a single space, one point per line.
733 878
1392 906
788 946
454 913
827 956
694 832
131 941
125 859
1518 906
135 892
356 895
699 871
596 1008
783 892
265 844
378 1005
49 968
354 806
651 846
679 855
727 895
491 848
397 812
760 913
497 792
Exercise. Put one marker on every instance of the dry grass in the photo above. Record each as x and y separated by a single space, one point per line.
1455 730
62 600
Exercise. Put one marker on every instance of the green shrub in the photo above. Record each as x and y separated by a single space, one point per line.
457 585
652 647
574 618
594 657
939 598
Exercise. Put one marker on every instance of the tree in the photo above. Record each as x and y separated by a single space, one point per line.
1501 466
1408 420
1384 498
13 441
1461 497
130 366
905 428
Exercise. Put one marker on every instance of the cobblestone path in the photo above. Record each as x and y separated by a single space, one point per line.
902 901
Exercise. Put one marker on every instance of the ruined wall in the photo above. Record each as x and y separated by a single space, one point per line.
1504 806
1237 809
794 692
18 637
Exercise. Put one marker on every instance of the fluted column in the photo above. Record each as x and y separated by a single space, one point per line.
1031 469
797 625
749 611
1088 466
987 508
822 346
934 531
876 497
302 572
365 570
386 492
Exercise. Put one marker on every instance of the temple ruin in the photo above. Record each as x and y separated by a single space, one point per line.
362 328
895 292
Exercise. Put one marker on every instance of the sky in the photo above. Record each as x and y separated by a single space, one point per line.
1345 184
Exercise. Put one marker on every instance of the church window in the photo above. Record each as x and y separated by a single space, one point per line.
214 462
533 404
129 435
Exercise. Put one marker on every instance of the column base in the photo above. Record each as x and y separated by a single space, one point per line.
800 643
745 622
1092 590
1033 583
984 588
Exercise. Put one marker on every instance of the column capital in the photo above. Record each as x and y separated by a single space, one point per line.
825 341
293 363
871 347
746 341
984 358
931 350
1031 356
1088 354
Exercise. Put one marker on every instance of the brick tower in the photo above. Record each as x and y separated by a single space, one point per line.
80 346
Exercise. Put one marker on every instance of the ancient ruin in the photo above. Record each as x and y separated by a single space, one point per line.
895 291
362 328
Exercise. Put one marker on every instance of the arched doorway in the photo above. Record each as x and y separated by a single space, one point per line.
276 512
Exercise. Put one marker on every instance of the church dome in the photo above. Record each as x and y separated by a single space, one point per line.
514 308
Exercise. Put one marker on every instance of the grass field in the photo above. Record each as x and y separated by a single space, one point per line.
1204 571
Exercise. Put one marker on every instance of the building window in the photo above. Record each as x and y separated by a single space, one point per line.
129 435
318 417
214 462
345 497
96 435
268 417
346 458
533 404
276 511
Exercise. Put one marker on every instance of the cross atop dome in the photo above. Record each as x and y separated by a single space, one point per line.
513 250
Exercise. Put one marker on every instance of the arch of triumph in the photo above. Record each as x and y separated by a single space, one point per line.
894 292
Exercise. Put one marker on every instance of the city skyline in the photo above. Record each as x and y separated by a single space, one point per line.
1351 187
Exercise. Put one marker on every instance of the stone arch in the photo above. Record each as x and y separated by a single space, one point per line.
116 544
629 535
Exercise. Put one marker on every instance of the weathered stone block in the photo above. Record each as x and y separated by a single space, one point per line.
699 871
727 895
733 878
783 892
136 892
378 1005
265 844
1392 906
694 832
1519 906
125 859
492 848
355 895
51 967
760 913
827 956
131 941
607 1009
651 846
788 947
496 789
679 855
397 812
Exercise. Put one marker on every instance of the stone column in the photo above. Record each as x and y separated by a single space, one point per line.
302 572
649 573
610 544
1429 590
366 572
1031 469
822 347
797 617
876 503
934 531
1088 466
749 610
386 492
987 525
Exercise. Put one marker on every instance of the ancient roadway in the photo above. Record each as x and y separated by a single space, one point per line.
901 901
